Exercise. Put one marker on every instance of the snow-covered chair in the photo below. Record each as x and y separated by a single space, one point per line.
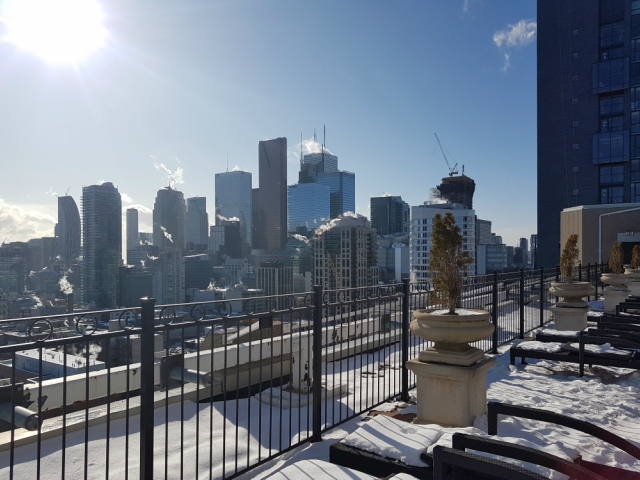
495 408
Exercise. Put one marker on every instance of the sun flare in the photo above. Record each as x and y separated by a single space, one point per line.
58 31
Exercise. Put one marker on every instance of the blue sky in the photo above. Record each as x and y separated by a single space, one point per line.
183 83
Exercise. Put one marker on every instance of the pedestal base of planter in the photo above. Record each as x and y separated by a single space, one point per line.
464 356
634 287
613 296
566 318
451 395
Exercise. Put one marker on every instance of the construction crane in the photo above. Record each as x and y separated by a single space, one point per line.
452 171
334 270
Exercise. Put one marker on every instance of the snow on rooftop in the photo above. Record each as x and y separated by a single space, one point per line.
608 397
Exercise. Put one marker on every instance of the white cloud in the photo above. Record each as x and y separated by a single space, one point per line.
173 178
507 63
465 5
137 206
518 35
19 223
126 198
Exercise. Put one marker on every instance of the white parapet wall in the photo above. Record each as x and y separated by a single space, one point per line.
354 336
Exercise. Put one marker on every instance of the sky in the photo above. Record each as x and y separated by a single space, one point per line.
183 85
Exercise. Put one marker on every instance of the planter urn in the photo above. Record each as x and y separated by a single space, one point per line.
570 312
451 335
634 284
616 291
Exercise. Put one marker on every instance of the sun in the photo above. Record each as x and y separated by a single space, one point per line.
60 32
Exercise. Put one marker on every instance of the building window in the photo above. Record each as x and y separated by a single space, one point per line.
611 75
611 194
575 123
574 100
635 7
575 78
635 170
611 174
612 104
575 55
575 32
611 34
635 192
611 124
611 147
576 146
575 192
575 169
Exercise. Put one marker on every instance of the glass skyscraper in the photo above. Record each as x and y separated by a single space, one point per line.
197 221
342 187
101 244
309 205
68 228
389 215
273 194
169 211
233 200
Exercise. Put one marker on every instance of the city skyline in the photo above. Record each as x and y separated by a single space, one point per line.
145 98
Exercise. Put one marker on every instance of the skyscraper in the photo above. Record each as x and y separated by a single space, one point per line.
132 229
342 185
345 254
68 228
233 200
309 205
101 244
272 158
197 221
389 215
588 110
458 189
169 211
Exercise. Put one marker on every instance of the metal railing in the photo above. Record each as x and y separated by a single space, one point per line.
199 391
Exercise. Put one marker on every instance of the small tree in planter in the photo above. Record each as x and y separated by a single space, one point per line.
635 257
617 258
447 259
617 290
569 258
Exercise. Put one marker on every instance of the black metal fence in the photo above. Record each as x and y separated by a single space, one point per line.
214 389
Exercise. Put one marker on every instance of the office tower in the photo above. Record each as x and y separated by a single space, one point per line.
274 278
68 228
588 110
483 232
101 244
458 189
272 158
233 201
342 185
308 206
146 238
169 211
133 239
226 240
524 245
169 277
389 215
345 254
420 237
257 221
197 221
314 163
534 251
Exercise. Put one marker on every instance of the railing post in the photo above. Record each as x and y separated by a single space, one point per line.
521 303
404 395
580 272
316 434
589 278
494 314
146 388
596 281
541 296
558 275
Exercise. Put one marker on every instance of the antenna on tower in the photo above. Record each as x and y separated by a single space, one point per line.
324 141
227 161
66 194
314 135
301 148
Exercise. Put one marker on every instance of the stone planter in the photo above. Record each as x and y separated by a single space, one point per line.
570 313
617 290
634 284
451 335
451 376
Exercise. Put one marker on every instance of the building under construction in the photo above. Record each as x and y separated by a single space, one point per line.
458 189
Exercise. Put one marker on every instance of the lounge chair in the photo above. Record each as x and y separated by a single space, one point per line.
482 467
582 354
495 408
